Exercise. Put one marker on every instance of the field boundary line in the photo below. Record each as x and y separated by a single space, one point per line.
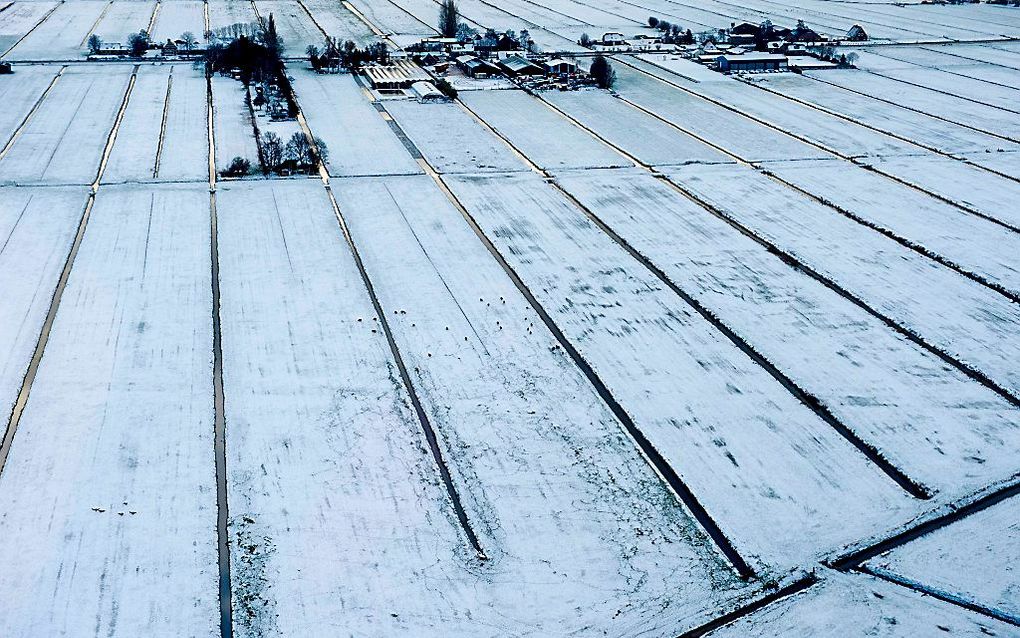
225 589
162 125
152 18
95 24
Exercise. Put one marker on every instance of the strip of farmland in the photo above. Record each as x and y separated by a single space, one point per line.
133 157
63 141
322 445
123 434
648 139
974 245
930 421
890 116
944 60
59 37
545 137
978 328
844 137
184 154
359 140
37 226
955 109
572 517
20 97
177 17
293 23
19 19
223 13
451 139
967 561
861 605
232 125
742 136
123 18
719 419
338 22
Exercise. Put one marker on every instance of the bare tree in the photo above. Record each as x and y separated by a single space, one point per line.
189 40
95 43
272 151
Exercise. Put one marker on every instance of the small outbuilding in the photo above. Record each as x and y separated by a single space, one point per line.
560 66
427 92
477 68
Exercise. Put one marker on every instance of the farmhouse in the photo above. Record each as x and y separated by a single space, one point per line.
857 34
751 62
613 38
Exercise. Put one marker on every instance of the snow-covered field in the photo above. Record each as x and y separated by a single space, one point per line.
359 140
63 141
700 355
539 132
118 535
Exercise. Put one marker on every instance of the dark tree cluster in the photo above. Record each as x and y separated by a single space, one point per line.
671 33
448 19
335 56
602 72
255 58
297 155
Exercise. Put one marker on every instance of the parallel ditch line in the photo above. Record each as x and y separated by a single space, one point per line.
944 596
225 589
255 129
935 68
34 27
864 161
859 161
746 610
945 51
205 20
965 368
35 107
943 92
646 448
152 18
762 167
44 334
162 125
428 429
311 17
95 24
956 512
809 400
902 240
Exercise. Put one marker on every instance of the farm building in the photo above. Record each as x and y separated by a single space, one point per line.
517 66
751 62
560 66
476 67
613 38
427 92
399 75
857 34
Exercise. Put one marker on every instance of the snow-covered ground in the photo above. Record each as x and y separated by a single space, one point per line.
699 349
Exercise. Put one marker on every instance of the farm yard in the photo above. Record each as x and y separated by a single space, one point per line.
317 323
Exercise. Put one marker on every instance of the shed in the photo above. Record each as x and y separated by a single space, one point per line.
477 68
560 66
399 75
517 66
427 92
751 62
